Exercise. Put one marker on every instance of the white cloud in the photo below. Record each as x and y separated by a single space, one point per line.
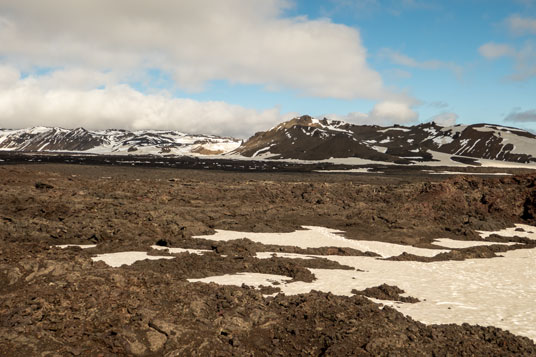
521 25
525 58
63 98
94 47
493 50
75 78
8 76
394 112
50 100
242 41
445 119
383 113
404 60
34 101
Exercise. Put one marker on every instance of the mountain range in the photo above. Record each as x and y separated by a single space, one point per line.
302 138
307 138
112 141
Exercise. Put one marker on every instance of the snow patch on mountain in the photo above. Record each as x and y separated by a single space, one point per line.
114 141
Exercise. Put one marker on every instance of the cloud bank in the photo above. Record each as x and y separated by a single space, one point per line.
81 58
95 100
64 99
241 41
383 113
493 50
445 119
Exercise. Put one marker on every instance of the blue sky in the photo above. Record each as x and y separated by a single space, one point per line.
450 32
237 66
446 31
475 88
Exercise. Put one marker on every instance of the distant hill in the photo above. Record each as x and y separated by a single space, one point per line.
307 138
302 138
157 142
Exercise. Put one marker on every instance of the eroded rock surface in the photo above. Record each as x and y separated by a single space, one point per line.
59 301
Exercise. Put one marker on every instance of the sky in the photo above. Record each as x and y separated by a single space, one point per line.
235 67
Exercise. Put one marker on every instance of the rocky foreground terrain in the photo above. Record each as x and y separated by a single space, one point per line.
56 302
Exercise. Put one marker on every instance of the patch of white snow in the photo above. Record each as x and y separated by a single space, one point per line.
317 237
250 279
453 244
83 246
115 260
181 250
527 232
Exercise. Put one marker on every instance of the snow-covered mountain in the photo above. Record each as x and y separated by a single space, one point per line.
302 138
157 142
307 138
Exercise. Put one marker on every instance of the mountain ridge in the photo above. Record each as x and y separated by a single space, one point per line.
113 141
301 138
308 138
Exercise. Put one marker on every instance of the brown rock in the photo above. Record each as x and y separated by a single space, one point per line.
13 275
134 346
156 340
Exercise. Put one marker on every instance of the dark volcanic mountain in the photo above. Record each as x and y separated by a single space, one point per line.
307 138
302 138
113 141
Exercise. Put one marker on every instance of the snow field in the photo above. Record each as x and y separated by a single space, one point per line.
115 260
318 237
498 292
524 231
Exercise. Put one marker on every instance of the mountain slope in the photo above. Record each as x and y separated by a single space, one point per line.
302 138
307 138
156 142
